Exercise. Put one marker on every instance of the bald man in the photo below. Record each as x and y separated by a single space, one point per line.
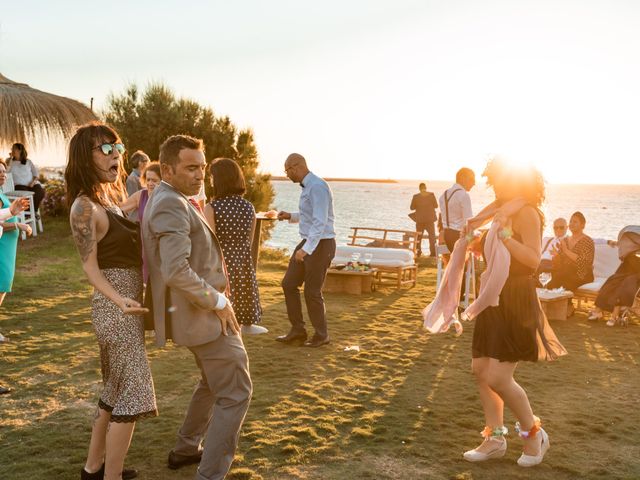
312 256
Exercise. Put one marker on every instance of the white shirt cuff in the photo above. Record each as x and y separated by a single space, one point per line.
295 218
222 302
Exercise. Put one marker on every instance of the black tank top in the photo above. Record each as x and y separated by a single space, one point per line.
121 246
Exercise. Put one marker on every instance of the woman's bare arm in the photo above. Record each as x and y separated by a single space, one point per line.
527 251
131 203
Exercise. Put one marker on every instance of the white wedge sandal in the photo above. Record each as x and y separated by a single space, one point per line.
533 460
495 436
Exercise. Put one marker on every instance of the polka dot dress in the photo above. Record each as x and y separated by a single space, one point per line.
233 219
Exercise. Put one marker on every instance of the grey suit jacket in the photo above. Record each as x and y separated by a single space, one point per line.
186 270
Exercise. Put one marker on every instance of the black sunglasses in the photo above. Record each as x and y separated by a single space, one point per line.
107 148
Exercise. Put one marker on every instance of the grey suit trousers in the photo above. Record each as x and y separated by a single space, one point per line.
218 406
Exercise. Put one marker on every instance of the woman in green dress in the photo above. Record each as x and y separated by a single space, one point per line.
9 232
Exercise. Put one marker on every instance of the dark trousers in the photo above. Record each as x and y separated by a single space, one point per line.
431 231
451 237
38 193
311 272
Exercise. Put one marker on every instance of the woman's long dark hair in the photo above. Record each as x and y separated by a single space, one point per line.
81 176
23 152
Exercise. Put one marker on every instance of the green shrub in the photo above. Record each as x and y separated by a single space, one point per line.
54 203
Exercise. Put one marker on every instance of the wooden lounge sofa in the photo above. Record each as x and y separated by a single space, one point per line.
393 254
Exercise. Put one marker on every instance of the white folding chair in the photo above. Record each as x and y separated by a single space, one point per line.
30 216
469 277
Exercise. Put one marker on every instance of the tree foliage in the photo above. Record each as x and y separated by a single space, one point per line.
145 120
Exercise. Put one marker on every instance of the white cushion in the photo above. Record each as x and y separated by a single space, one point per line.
606 261
593 287
381 257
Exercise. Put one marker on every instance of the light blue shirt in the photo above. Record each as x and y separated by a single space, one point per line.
316 212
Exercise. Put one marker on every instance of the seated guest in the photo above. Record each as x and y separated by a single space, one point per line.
573 257
25 174
138 162
548 243
618 293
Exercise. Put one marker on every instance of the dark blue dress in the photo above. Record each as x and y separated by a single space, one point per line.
234 217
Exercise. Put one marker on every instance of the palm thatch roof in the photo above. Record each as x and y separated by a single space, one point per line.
32 116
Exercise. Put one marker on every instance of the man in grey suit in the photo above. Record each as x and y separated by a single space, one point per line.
187 279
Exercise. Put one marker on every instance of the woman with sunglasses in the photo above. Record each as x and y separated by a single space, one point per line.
110 250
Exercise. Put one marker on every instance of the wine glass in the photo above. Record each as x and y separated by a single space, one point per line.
355 256
545 278
367 259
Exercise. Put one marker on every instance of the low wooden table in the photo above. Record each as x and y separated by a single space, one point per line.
555 305
350 281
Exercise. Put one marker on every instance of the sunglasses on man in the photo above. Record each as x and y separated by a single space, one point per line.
107 148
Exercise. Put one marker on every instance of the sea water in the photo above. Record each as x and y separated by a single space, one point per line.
607 208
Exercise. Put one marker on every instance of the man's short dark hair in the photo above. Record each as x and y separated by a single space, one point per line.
137 157
170 149
580 217
464 173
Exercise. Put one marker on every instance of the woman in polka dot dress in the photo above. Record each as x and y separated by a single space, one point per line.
233 218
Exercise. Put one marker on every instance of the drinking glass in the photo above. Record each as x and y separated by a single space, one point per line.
545 277
367 259
355 257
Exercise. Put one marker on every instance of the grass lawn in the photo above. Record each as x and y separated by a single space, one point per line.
404 407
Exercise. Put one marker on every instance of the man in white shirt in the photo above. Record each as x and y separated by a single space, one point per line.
455 207
312 257
548 243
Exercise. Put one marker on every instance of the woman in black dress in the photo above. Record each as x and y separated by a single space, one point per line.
110 250
516 329
233 219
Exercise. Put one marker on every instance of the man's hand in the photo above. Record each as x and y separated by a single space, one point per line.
441 239
228 320
299 256
19 205
284 215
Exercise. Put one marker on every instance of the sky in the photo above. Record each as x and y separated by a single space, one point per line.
396 89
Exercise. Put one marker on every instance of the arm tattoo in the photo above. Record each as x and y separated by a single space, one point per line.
83 235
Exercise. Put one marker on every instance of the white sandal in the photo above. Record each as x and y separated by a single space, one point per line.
495 435
533 460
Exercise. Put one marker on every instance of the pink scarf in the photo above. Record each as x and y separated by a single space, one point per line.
440 314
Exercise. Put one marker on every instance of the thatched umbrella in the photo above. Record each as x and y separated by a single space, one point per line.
29 116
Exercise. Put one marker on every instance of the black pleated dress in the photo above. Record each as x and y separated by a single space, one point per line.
517 328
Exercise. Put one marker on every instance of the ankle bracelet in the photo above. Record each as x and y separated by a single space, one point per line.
531 433
496 432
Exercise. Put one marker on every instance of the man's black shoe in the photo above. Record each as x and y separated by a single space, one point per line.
316 342
177 460
292 337
4 390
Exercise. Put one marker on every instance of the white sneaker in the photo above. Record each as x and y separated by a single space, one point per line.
476 456
3 338
253 329
533 460
594 316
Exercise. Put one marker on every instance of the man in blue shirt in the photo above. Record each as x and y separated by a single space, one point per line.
312 257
